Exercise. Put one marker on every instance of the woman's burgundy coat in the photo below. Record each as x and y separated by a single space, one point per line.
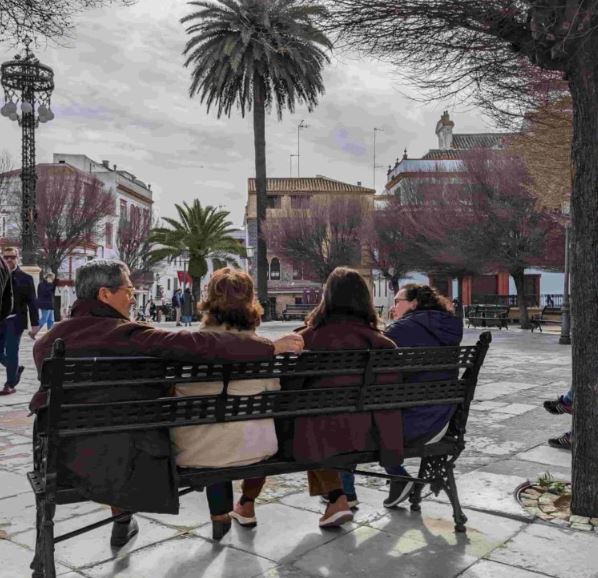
317 438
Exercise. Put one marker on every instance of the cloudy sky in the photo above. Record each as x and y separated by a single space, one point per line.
122 94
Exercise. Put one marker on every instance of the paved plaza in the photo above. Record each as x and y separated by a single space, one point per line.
506 445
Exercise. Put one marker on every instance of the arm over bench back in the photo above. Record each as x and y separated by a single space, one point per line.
71 380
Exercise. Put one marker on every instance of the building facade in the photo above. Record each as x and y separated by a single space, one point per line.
438 169
287 284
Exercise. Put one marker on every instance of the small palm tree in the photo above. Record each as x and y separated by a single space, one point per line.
253 54
203 232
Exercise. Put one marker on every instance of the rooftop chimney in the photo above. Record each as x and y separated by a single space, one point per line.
106 164
359 183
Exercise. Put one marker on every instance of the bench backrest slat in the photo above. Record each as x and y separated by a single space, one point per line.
451 375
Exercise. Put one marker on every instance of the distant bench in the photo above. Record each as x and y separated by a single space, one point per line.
487 316
296 311
63 419
549 316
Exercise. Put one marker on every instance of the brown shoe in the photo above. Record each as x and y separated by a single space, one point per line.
244 514
336 514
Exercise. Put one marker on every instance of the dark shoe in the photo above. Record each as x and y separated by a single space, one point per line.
337 513
8 389
20 371
558 406
563 442
244 514
220 526
399 492
122 532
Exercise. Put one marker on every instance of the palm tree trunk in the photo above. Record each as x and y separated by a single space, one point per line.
259 140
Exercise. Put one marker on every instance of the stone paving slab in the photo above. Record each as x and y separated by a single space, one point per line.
553 551
490 492
276 536
184 557
15 560
94 547
547 455
405 543
487 569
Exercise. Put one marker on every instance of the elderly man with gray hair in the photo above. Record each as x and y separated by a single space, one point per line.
131 471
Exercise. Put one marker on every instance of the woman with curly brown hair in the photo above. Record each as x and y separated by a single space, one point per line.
230 305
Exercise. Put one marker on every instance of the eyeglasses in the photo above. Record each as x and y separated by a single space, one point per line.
10 257
128 288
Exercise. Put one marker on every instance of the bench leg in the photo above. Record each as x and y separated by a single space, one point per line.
37 564
450 487
47 545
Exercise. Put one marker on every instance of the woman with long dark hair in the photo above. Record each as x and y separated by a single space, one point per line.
344 319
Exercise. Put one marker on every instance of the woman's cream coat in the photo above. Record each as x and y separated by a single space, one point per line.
225 444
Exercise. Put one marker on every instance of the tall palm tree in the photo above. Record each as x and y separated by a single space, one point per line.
253 54
203 232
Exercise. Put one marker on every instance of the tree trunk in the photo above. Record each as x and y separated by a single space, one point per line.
196 291
519 278
583 82
259 141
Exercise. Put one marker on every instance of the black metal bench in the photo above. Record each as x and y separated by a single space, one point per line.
296 311
63 420
549 316
487 316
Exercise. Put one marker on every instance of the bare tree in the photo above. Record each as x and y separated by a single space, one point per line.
43 18
545 145
132 240
317 239
477 49
71 209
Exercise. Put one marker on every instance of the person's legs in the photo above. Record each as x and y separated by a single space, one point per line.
50 318
220 502
348 480
13 340
3 325
564 442
43 317
560 405
177 315
401 489
123 530
244 510
328 482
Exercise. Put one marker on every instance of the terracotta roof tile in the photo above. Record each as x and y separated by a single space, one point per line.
475 141
309 185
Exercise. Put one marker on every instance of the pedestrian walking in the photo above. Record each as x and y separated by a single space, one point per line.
45 300
188 308
5 290
11 329
177 303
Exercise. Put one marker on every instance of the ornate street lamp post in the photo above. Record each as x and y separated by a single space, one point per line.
29 83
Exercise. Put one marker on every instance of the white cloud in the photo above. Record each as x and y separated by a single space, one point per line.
122 94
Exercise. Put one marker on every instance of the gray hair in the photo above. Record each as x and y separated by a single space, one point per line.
99 273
